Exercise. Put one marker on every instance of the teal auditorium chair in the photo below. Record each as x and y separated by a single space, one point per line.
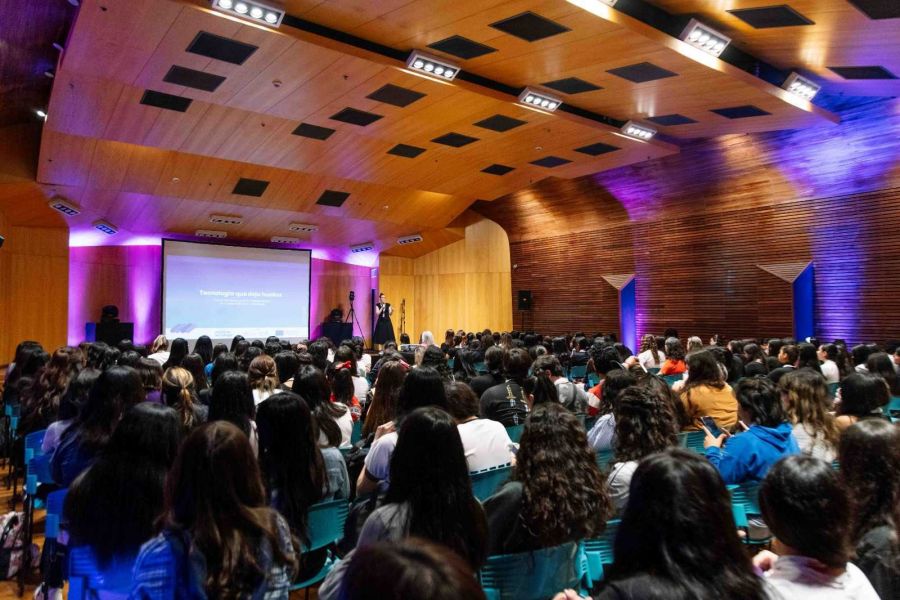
605 459
671 379
486 482
745 498
577 372
692 440
892 408
356 433
593 379
833 389
481 368
515 432
599 551
653 370
535 575
326 527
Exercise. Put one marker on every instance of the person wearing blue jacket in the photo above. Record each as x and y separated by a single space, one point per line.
747 456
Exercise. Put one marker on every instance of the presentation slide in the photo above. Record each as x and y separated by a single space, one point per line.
222 291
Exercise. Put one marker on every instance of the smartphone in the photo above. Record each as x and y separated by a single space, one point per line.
710 424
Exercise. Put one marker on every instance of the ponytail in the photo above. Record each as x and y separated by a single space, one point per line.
178 391
186 406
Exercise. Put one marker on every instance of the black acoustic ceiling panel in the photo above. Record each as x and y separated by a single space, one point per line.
166 101
597 149
461 47
194 79
221 48
878 9
642 72
572 85
740 112
768 17
873 72
332 198
550 161
457 140
406 151
530 27
355 117
250 187
313 131
498 169
395 95
500 123
670 120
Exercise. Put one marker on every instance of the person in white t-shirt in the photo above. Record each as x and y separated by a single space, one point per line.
650 356
485 442
806 508
159 349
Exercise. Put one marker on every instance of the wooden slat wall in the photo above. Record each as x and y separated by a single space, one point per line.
694 227
464 285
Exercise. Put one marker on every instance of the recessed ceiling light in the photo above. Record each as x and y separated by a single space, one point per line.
704 37
284 239
410 239
801 86
211 233
226 219
437 68
306 227
533 98
66 208
638 131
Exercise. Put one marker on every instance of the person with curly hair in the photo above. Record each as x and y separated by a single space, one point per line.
40 402
804 395
556 493
645 424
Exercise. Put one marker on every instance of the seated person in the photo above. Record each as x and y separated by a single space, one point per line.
747 456
674 362
485 442
493 360
705 394
602 435
861 395
802 501
571 395
506 402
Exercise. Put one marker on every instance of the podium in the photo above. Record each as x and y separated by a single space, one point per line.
111 333
337 332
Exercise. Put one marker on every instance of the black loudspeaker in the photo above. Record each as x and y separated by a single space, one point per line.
524 299
1 241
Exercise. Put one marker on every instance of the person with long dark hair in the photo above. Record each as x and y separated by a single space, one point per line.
506 402
705 393
556 493
430 495
805 507
177 352
645 424
602 435
677 539
861 396
333 420
754 360
151 374
112 506
40 402
805 399
383 406
422 387
204 348
193 364
493 361
219 538
116 390
880 363
232 401
340 379
870 471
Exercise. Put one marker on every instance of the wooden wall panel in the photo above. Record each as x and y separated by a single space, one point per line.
694 227
331 285
396 278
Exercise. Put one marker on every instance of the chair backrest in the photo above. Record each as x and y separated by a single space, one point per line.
599 551
692 440
86 578
748 495
488 481
653 370
593 379
55 502
481 368
356 433
604 459
515 432
892 408
34 441
671 379
326 523
833 388
577 372
535 575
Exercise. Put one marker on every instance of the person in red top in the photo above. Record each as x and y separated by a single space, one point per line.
340 376
674 364
603 360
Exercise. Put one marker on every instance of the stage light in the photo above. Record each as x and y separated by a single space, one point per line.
426 64
305 227
704 37
40 113
106 227
362 247
226 219
255 11
60 205
211 233
536 99
801 86
410 239
638 131
284 239
597 7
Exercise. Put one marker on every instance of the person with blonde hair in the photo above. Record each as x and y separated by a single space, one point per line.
694 343
804 394
178 391
650 356
159 349
263 376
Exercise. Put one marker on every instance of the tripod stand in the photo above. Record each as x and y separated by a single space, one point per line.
351 317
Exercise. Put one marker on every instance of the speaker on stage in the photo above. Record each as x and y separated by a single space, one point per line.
524 299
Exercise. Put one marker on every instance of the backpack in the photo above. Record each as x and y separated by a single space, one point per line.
12 551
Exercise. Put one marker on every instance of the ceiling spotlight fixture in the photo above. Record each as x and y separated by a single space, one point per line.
304 227
41 114
226 219
410 239
252 10
638 131
58 47
704 37
362 247
533 98
60 205
284 239
594 6
211 233
106 227
426 64
800 85
49 74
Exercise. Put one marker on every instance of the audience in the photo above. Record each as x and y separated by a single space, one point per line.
334 421
506 402
803 503
806 402
485 442
861 396
674 362
705 393
650 356
178 392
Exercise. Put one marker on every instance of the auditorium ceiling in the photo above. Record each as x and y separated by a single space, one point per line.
165 112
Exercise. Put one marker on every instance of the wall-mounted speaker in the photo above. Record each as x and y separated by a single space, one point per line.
1 241
524 299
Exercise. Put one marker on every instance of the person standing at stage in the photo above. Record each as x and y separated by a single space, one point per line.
384 328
